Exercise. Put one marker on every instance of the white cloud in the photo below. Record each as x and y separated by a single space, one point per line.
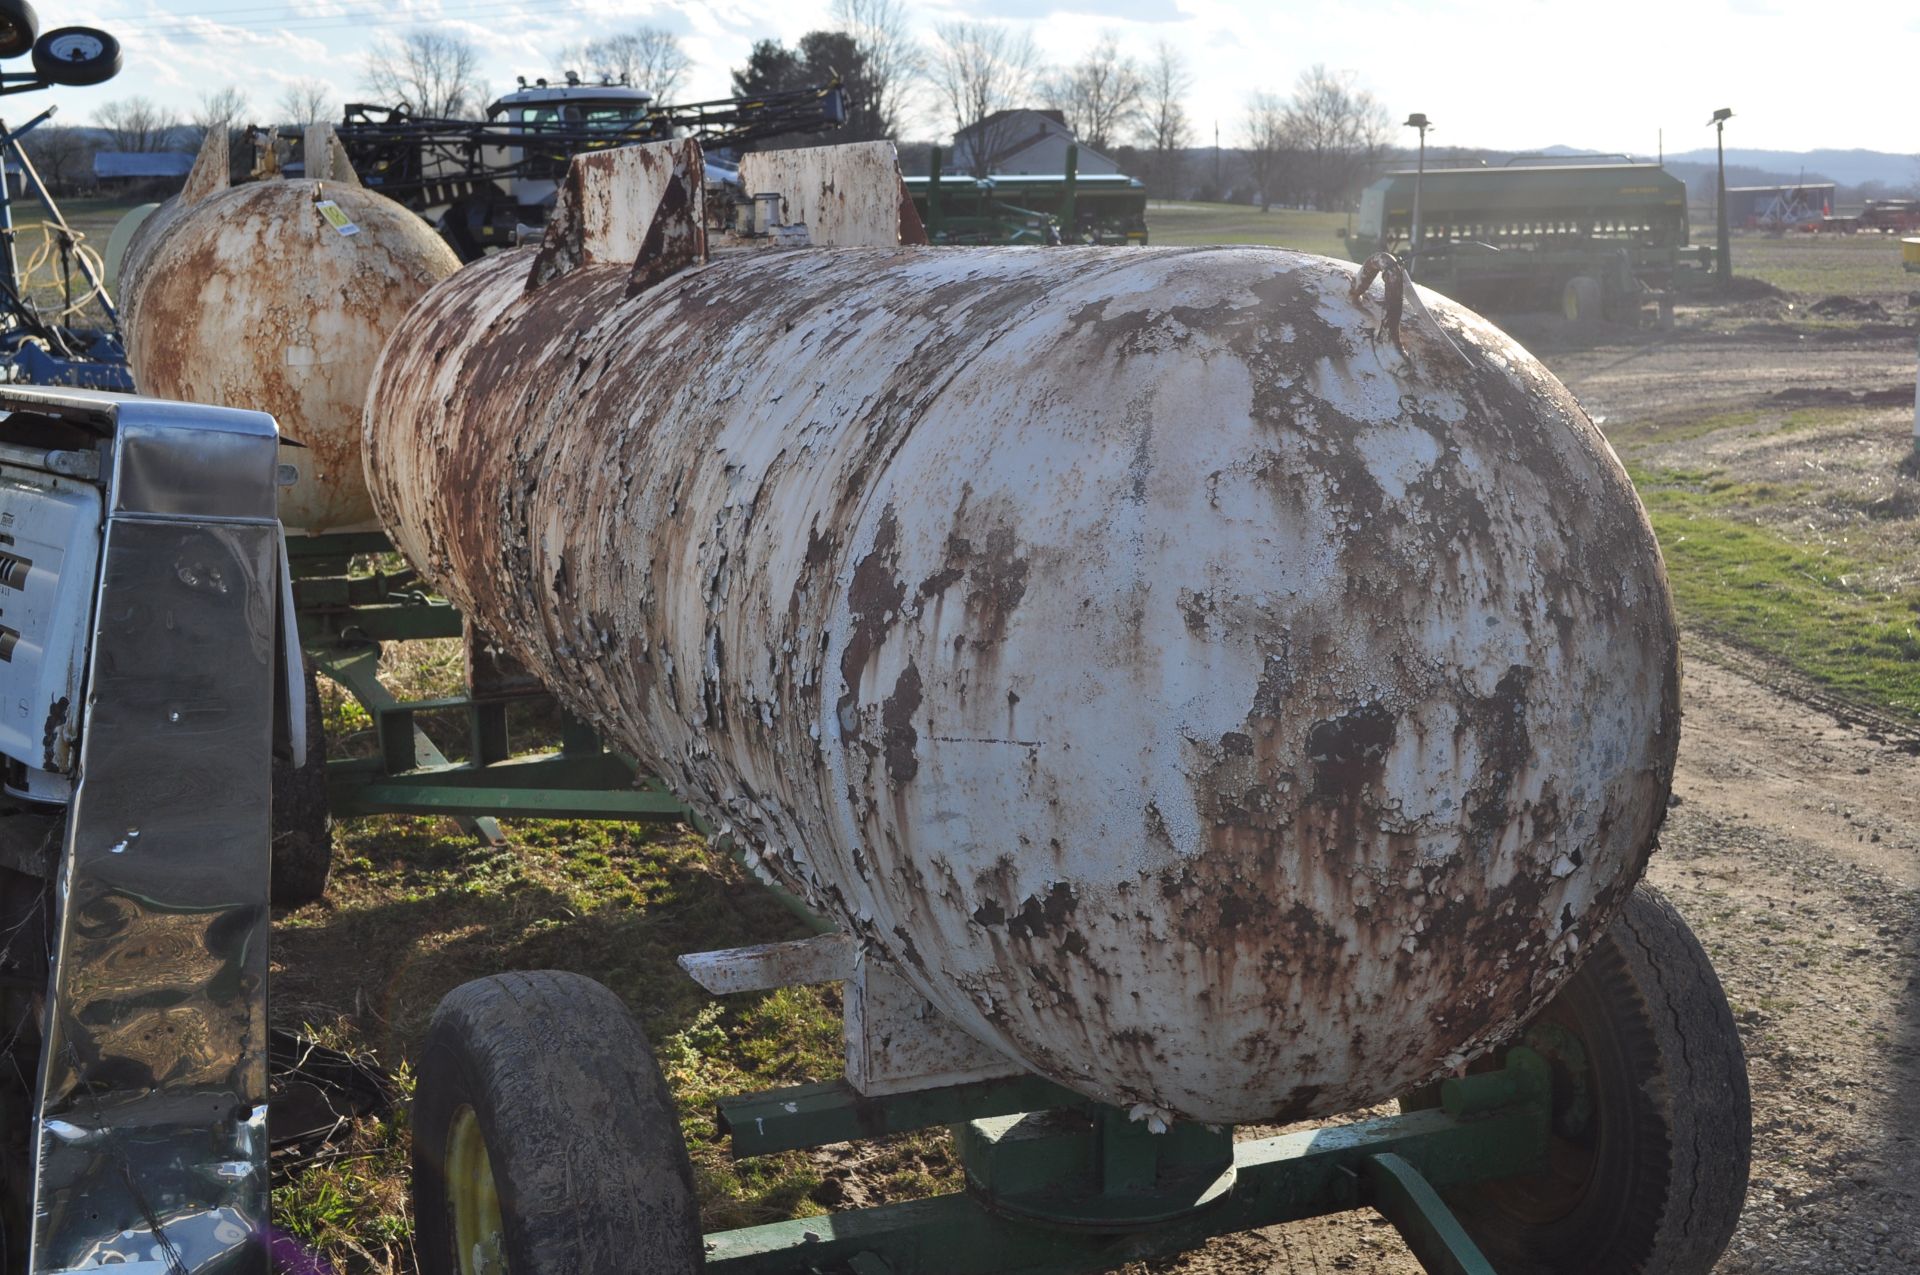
1511 73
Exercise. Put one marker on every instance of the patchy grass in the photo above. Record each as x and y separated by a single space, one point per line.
1816 266
417 908
1685 428
1806 607
1788 531
92 219
1173 224
352 1206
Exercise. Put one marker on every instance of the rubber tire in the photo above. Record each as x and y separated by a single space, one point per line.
1673 1122
19 28
302 831
582 1136
96 70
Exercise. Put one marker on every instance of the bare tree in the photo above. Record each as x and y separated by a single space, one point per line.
219 108
62 156
435 73
306 103
647 58
981 72
1339 129
138 124
1267 145
892 61
1101 95
1164 127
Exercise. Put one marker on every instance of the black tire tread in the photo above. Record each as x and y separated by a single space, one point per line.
584 1140
1704 1071
24 22
1668 1204
77 75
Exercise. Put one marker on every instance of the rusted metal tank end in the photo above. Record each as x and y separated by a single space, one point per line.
1192 695
277 296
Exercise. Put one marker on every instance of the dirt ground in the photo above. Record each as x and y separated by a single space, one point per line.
1645 374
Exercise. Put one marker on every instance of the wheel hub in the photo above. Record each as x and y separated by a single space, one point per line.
479 1235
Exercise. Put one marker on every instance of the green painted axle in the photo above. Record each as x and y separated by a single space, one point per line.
1089 1190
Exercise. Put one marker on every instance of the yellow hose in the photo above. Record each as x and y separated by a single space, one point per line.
42 258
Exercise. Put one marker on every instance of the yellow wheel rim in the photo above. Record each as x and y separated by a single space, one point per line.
479 1237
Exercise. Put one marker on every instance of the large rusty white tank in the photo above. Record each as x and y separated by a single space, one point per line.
1211 705
247 296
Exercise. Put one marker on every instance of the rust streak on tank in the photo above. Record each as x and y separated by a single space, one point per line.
247 297
1201 702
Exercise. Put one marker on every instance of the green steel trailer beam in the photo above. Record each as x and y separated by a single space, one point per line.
346 608
1087 1189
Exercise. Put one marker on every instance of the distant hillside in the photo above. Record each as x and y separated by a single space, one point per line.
1849 168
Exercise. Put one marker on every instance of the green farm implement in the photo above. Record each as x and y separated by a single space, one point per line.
1592 239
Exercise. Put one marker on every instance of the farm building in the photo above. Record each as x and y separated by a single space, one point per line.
139 168
1025 143
1758 206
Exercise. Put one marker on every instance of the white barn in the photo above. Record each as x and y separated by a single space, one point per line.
1024 143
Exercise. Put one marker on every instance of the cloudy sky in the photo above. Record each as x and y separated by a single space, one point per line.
1502 73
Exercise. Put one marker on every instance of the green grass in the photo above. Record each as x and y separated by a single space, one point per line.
1809 266
93 219
416 908
1175 224
1684 428
1816 266
1803 607
354 1203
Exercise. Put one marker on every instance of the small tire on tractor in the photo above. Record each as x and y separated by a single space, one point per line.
302 832
1582 299
1647 1174
19 28
544 1139
76 56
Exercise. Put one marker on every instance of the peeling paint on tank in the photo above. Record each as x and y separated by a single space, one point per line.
1195 697
248 298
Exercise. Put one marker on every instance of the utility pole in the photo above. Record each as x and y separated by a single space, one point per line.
1421 122
1723 253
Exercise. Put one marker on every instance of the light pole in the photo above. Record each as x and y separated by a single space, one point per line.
1723 254
1421 122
